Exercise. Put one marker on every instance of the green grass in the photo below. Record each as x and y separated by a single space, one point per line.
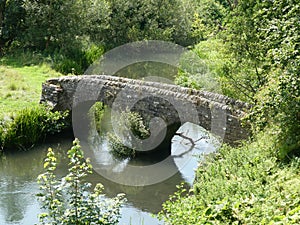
23 122
21 79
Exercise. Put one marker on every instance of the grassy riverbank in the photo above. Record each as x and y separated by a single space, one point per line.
23 122
245 185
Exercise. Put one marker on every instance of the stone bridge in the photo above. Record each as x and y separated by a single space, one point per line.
173 105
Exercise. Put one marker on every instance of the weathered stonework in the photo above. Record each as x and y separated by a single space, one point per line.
176 105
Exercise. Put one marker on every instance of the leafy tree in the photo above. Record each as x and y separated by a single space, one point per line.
247 71
146 19
278 102
52 22
12 15
263 37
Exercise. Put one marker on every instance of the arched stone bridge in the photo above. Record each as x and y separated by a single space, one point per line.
175 105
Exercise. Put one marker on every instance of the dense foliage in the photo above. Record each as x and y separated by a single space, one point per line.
243 185
269 41
258 63
255 59
69 200
203 67
249 48
69 31
12 16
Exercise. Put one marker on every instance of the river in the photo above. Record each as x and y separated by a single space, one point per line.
19 170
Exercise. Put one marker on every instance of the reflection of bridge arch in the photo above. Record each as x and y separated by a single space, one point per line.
138 195
216 113
149 197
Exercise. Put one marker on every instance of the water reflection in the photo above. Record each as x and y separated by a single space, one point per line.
18 172
184 160
146 198
142 70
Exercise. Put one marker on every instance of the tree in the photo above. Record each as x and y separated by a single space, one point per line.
247 72
138 20
12 15
52 23
278 102
264 39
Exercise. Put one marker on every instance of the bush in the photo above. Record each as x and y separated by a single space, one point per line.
70 60
93 53
31 125
76 59
128 121
70 200
207 20
245 185
203 67
118 149
96 114
278 105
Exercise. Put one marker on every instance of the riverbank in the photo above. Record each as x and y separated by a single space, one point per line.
245 185
23 121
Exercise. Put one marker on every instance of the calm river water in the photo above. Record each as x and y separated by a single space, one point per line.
18 187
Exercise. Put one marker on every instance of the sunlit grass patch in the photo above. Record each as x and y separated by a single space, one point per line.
21 87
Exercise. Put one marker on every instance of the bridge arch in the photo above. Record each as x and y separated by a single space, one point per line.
216 113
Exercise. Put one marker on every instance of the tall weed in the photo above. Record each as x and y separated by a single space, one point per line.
71 200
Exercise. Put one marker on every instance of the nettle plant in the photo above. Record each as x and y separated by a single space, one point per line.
70 200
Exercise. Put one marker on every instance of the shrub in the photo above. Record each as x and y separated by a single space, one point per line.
94 53
96 114
128 121
203 67
70 200
31 125
118 149
71 60
76 59
243 185
278 105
